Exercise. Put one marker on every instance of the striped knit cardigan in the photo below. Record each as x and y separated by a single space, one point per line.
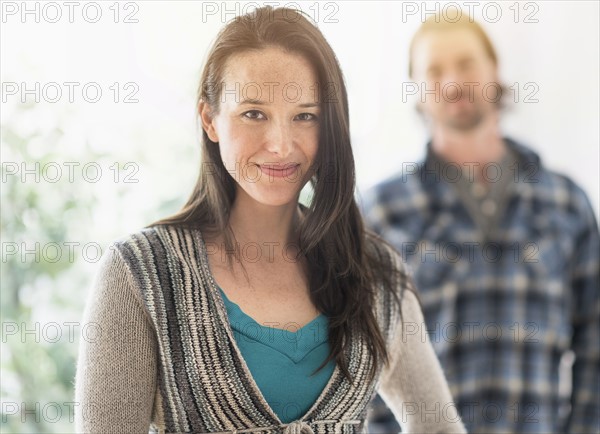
164 356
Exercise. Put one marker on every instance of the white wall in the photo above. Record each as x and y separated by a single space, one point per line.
559 54
163 52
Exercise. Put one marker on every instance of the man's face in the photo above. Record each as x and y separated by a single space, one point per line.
456 65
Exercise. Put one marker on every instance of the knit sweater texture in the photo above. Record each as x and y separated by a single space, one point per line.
163 357
281 359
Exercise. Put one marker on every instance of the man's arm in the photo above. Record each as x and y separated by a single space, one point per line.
585 398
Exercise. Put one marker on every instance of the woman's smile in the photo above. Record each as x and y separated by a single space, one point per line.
268 141
286 171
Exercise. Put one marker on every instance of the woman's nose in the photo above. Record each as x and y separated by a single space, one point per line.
279 138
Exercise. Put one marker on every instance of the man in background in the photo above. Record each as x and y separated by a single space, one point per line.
504 252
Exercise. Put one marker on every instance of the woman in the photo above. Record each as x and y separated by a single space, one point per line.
243 254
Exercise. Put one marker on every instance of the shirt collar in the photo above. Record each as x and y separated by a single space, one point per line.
523 153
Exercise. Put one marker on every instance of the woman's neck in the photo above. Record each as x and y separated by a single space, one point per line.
265 226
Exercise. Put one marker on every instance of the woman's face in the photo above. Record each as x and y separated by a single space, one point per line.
267 124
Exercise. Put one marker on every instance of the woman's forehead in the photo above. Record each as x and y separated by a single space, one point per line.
269 62
268 75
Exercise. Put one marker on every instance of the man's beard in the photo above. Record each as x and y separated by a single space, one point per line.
465 123
465 120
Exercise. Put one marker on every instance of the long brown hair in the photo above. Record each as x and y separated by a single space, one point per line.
346 263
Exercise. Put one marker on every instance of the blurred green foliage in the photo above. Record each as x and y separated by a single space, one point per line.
39 282
45 271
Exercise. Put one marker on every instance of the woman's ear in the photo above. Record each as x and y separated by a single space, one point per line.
208 121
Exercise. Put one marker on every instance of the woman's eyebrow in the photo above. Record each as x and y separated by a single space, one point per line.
308 105
251 101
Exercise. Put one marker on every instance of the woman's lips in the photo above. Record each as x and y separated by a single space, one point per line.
283 171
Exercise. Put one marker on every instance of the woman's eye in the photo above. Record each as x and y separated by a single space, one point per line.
306 117
253 114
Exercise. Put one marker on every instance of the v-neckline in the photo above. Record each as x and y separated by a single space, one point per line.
295 345
222 311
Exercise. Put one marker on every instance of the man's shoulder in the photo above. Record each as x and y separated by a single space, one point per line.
551 188
559 190
399 201
533 171
401 186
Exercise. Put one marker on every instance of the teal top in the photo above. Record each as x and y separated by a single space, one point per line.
281 359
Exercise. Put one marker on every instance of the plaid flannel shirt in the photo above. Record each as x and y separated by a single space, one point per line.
503 309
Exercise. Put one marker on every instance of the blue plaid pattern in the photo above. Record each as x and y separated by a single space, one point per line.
503 312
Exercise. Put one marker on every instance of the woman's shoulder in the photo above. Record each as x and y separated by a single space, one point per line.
154 247
140 235
396 296
150 238
389 260
156 258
